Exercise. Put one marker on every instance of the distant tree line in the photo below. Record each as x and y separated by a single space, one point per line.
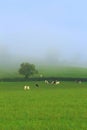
42 79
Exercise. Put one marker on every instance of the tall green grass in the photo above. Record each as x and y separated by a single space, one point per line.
49 107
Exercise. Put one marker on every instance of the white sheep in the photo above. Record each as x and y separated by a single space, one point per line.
26 87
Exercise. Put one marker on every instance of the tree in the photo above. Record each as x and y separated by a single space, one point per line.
27 70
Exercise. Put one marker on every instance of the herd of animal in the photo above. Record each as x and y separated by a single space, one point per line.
48 82
52 82
26 87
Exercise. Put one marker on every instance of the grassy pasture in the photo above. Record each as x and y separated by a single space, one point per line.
49 107
64 72
48 71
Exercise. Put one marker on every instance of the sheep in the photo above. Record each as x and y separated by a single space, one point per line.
55 82
26 87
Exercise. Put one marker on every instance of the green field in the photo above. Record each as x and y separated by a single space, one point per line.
64 72
49 107
48 71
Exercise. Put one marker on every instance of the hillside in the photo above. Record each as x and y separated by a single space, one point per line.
48 72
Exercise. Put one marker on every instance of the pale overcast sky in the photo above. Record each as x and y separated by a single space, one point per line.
50 31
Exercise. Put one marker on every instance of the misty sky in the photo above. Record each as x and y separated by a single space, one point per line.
46 31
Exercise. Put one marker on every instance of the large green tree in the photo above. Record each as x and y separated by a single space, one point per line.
27 69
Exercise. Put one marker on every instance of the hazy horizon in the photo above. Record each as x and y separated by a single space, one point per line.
43 32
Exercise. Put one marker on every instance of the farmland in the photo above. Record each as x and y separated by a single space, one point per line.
47 71
49 107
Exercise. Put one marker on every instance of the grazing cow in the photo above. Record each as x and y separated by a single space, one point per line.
46 82
79 81
57 82
53 82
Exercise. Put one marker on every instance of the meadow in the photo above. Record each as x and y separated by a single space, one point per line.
49 107
47 71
